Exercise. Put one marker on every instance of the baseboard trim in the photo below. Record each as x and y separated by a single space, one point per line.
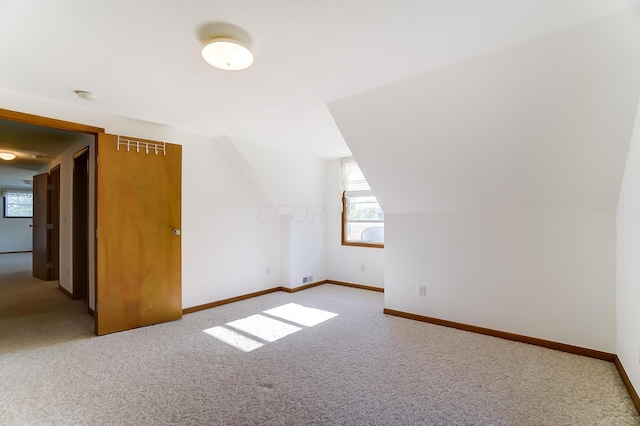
360 286
65 291
230 300
563 347
577 350
303 287
627 383
273 290
91 312
15 252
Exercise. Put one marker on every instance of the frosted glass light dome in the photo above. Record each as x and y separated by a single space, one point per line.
227 54
8 156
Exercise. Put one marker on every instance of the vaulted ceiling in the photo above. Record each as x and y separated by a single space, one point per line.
141 59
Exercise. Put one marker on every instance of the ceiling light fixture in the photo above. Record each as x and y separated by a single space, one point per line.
83 94
227 54
8 156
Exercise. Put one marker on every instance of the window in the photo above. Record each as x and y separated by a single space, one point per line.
362 216
18 202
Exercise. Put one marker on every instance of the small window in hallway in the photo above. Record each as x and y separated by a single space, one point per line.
17 203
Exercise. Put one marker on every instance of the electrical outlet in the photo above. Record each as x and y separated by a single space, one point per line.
362 268
422 290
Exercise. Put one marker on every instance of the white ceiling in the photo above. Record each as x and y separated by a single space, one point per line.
142 60
35 147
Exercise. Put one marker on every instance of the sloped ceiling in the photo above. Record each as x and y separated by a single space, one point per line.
544 124
142 60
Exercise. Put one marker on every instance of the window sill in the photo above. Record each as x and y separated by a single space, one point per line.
355 244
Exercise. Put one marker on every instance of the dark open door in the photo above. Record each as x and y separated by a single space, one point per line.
53 225
138 277
41 266
80 224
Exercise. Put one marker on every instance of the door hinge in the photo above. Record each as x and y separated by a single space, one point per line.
49 225
49 265
96 234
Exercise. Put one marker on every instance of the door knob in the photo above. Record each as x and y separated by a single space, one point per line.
32 226
176 232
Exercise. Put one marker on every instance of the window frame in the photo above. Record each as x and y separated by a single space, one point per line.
5 204
345 222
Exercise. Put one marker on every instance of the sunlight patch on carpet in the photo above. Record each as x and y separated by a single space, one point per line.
265 328
233 338
301 314
268 329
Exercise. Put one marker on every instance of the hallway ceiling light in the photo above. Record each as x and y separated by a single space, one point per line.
227 54
83 94
8 156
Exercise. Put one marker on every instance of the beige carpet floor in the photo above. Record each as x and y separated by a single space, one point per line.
323 356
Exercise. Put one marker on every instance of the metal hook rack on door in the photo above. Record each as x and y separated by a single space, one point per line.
132 143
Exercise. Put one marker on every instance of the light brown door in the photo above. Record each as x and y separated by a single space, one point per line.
40 253
138 276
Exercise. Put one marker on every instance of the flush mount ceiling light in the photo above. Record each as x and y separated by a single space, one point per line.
8 156
83 94
227 54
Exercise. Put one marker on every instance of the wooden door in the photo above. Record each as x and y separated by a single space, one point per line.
53 224
80 224
40 253
138 276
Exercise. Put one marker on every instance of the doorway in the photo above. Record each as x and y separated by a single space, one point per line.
135 260
41 268
47 146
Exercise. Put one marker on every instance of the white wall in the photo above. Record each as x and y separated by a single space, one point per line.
15 234
303 254
226 250
294 190
499 177
345 263
628 263
545 274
